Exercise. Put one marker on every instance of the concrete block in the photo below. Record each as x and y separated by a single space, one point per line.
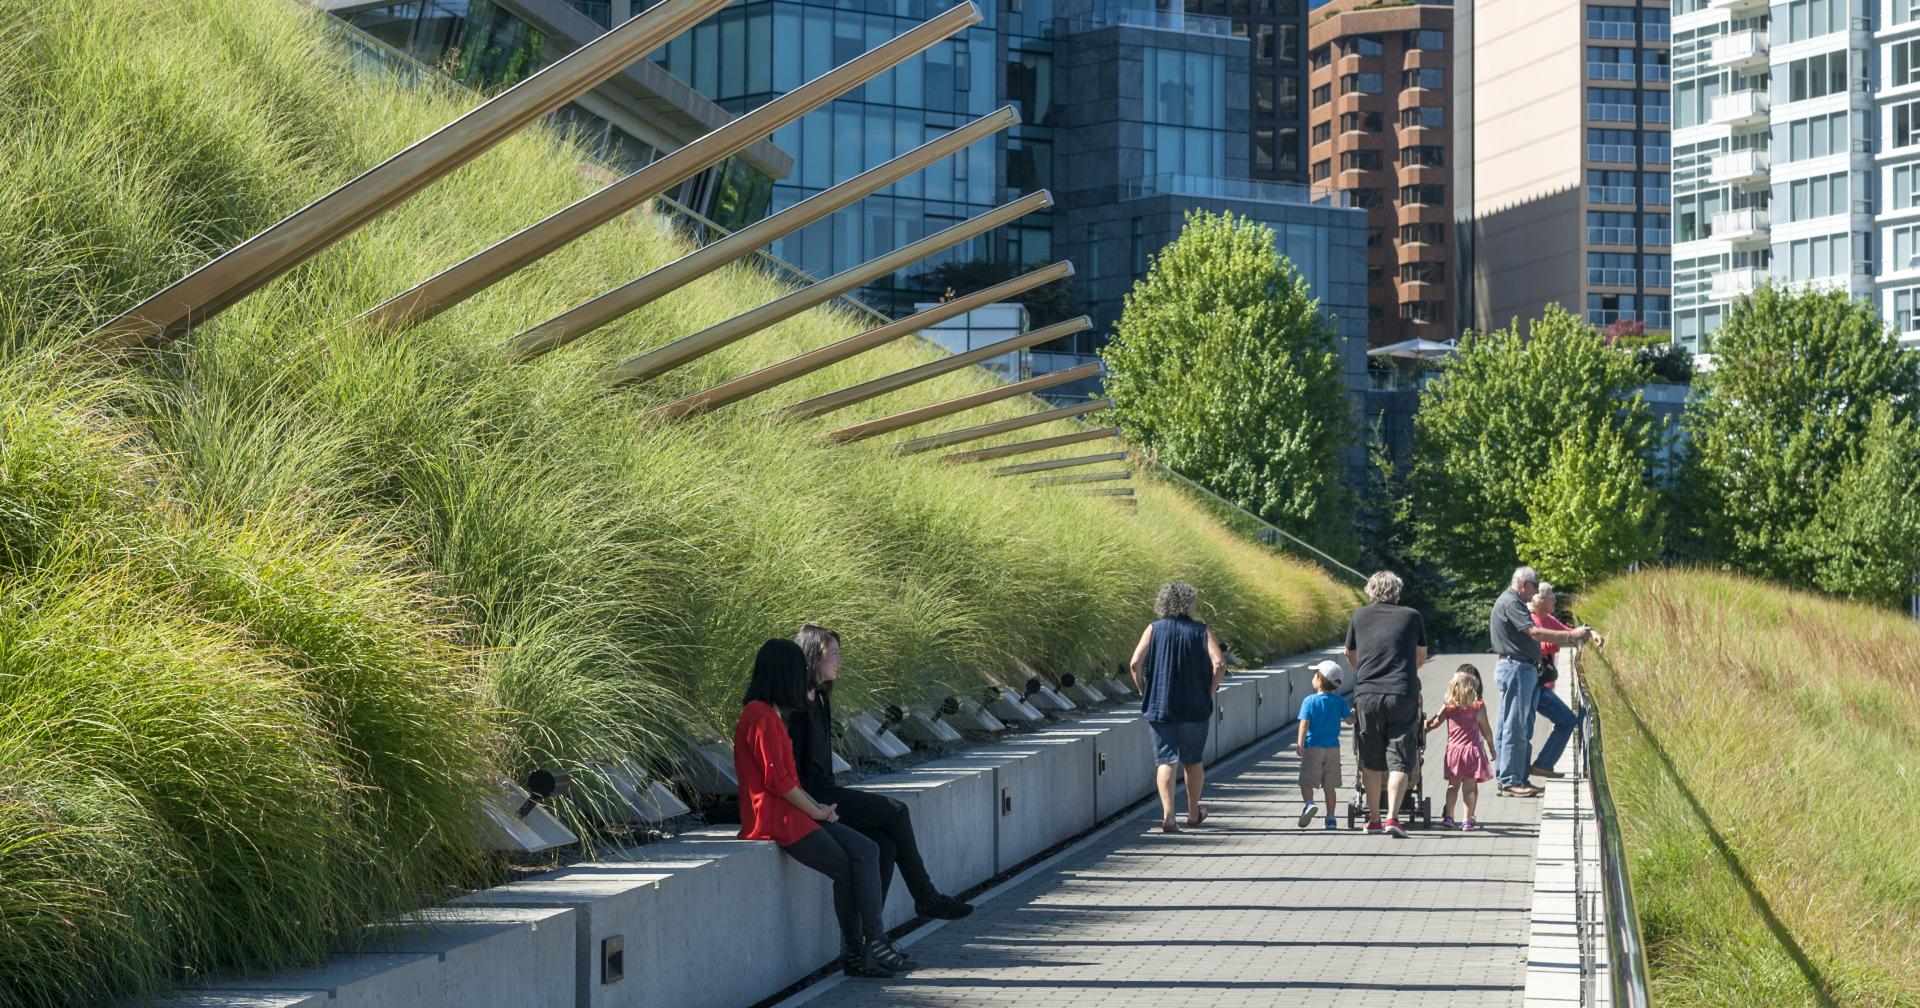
603 906
1270 693
1235 716
953 818
246 999
1041 792
494 957
1123 761
1006 705
367 980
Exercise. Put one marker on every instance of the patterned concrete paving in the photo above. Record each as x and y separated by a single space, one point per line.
1248 909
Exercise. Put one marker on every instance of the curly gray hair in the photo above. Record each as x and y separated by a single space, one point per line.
1175 599
1384 586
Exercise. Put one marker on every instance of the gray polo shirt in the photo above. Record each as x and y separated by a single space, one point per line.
1508 628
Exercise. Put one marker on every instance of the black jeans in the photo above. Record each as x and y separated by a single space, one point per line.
889 824
852 861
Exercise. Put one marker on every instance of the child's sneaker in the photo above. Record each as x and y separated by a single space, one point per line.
1373 827
1333 823
1468 826
1307 814
1446 822
1394 830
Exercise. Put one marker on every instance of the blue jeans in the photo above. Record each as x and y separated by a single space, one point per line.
1564 721
1512 733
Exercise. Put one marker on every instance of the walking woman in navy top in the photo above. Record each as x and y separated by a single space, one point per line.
1177 667
773 806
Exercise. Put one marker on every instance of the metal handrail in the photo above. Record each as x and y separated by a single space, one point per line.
1626 952
1268 530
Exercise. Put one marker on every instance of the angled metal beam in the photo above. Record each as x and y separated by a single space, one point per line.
577 322
250 265
479 271
1038 444
1087 478
1104 492
1065 463
921 414
660 360
901 379
767 377
932 441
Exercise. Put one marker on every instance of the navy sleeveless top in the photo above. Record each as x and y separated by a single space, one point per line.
1179 672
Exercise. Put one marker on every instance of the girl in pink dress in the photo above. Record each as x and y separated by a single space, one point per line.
1466 763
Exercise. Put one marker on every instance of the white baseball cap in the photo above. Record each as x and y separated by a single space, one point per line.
1332 670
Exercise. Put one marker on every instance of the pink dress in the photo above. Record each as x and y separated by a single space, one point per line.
1465 759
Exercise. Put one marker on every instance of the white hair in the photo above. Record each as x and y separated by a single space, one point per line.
1384 586
1175 599
1524 575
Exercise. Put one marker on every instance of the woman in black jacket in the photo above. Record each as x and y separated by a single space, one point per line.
884 820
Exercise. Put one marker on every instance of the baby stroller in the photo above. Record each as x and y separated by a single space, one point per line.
1416 810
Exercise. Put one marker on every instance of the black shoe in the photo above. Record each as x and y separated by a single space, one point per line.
882 952
857 960
942 907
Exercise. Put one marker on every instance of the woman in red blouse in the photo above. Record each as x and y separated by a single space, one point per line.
773 806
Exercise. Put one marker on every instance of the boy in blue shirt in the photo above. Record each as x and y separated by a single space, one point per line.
1321 716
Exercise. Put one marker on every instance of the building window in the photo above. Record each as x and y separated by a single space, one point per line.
1427 155
1905 11
1610 227
1425 194
1612 269
1263 43
1656 106
1906 186
1805 19
1609 22
1263 96
1322 95
1376 237
1361 83
1903 305
1263 150
1429 39
1656 147
1432 78
1427 116
1904 242
1286 103
1322 132
1421 311
1605 185
1365 45
1814 77
1367 122
1657 229
1609 63
1814 136
1286 151
1611 104
1376 276
1422 272
1365 199
1656 24
1621 146
1322 170
1904 67
1606 309
1375 315
1320 58
1360 160
1906 125
1656 270
1423 234
1811 198
1654 65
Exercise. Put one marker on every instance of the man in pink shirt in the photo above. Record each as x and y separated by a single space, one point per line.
1550 705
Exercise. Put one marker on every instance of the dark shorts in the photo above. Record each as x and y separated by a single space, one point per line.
1386 731
1180 741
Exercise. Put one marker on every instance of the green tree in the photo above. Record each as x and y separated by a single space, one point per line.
1484 441
1591 514
1223 368
1866 540
1773 426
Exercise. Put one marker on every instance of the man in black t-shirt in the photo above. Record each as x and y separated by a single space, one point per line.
1386 645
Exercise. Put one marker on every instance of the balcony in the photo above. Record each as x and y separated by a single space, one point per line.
1738 8
1741 108
1737 283
1743 50
1746 228
1740 168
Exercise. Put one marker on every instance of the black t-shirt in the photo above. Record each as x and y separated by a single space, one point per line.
811 729
1383 637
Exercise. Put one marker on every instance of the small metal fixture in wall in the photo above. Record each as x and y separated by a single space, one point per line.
613 959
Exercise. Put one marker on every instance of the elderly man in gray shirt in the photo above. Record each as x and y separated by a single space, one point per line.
1516 649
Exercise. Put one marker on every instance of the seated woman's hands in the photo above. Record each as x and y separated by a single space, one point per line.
828 813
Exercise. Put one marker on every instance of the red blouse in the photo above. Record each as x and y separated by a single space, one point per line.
763 760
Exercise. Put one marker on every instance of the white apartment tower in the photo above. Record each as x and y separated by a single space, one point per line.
1796 154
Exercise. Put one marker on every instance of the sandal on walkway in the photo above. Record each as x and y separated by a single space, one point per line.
1199 816
1169 826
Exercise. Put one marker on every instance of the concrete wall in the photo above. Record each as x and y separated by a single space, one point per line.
684 910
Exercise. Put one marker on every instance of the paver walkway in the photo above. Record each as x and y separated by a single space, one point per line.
1249 909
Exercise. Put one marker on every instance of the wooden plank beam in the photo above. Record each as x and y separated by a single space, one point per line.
933 441
901 379
1085 478
921 414
1065 463
1038 444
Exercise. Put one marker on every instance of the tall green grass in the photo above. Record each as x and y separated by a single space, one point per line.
1764 746
273 603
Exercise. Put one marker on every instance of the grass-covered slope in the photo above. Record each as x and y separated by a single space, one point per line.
274 602
1764 747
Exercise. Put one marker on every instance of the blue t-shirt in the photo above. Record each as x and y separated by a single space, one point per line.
1323 713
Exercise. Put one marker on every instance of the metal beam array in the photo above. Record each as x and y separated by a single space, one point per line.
1065 463
250 265
932 441
907 418
1028 447
483 269
571 325
807 363
658 361
866 390
1106 477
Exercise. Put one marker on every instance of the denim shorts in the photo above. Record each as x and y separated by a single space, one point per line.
1180 741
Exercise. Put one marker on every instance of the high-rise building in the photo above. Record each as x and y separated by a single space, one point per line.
1796 155
1381 132
1277 33
1561 185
